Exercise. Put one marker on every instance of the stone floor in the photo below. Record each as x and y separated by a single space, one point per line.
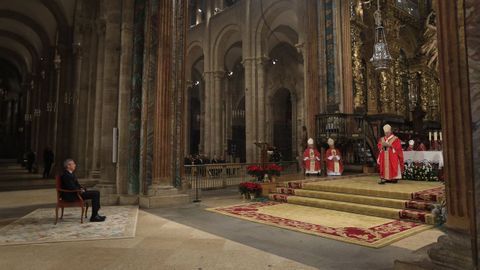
189 237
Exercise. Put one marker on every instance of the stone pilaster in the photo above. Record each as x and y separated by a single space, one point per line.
125 83
78 112
261 115
216 124
97 124
135 111
208 114
250 137
109 103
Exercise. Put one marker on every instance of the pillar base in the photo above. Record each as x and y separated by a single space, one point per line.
452 251
162 196
128 199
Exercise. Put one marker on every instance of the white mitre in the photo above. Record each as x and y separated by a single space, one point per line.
387 128
411 142
310 141
330 142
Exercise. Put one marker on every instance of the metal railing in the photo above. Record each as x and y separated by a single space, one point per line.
223 175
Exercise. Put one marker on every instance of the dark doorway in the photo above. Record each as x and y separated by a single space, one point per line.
282 122
238 132
194 125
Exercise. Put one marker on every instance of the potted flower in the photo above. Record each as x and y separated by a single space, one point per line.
256 171
250 189
273 170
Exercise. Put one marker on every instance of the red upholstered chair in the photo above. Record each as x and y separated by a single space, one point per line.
61 204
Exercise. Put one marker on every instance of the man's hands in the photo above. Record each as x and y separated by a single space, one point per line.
386 144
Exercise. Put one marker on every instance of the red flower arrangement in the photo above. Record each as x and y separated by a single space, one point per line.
250 187
255 170
273 170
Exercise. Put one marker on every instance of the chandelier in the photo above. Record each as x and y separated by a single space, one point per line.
381 57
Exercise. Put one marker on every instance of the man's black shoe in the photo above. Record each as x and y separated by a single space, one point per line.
97 218
394 181
381 182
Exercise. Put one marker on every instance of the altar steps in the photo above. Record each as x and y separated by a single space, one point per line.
408 201
359 199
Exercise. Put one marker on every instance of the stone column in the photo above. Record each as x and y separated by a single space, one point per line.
209 120
217 115
57 64
135 111
109 103
125 83
249 111
261 91
78 112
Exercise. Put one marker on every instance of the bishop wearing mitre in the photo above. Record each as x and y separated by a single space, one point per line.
390 158
311 159
333 159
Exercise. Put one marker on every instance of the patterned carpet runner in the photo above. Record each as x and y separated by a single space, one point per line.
407 200
352 228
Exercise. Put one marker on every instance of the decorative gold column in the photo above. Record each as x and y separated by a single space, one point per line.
372 93
358 67
390 77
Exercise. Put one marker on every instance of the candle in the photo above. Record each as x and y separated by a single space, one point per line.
435 136
430 136
441 136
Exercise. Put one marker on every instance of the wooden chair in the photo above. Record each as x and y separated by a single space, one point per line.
83 204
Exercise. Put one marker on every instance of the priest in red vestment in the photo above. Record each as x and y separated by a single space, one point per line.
333 159
390 158
311 159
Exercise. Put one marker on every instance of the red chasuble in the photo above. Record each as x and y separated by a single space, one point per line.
311 161
390 159
334 167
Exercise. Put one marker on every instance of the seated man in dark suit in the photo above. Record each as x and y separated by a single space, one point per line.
70 182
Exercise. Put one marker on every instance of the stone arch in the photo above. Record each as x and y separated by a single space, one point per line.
279 23
226 37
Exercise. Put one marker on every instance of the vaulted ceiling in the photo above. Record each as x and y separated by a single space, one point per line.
29 29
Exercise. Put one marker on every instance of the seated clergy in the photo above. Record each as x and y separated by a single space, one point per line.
70 182
411 145
333 159
311 159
